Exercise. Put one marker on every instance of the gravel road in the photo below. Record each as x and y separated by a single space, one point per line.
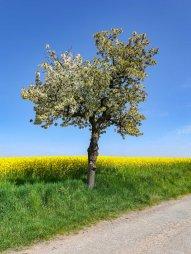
164 229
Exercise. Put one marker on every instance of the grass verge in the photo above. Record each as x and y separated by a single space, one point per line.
35 210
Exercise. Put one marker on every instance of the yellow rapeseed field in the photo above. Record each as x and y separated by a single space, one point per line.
58 167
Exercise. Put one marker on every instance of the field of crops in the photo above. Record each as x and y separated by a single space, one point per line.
59 168
44 196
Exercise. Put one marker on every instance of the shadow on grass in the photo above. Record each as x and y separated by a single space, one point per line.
51 178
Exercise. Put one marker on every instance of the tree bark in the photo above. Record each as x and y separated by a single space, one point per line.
92 156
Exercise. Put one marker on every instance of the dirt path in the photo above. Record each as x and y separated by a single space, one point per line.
162 229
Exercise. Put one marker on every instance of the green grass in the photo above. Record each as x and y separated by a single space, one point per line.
31 211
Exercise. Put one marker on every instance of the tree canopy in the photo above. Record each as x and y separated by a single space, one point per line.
106 90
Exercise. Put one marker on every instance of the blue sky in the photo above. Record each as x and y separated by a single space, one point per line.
26 26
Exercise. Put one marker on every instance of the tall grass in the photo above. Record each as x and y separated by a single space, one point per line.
41 197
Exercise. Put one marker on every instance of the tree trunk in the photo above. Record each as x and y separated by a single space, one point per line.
92 156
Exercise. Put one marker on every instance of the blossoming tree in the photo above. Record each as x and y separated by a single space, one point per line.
97 94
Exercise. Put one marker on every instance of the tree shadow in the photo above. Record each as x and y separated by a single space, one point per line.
47 179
